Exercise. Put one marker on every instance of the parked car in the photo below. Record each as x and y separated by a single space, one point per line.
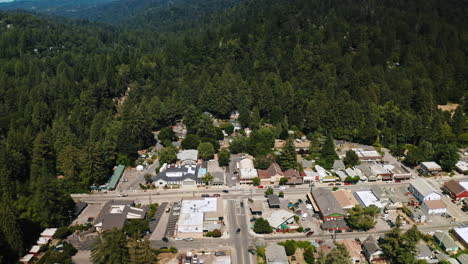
339 231
338 183
90 219
165 239
331 184
188 239
307 230
123 195
220 253
168 210
349 230
347 183
225 191
260 187
300 201
310 233
293 258
216 195
238 230
205 195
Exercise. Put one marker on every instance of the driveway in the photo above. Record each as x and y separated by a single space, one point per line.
231 176
160 229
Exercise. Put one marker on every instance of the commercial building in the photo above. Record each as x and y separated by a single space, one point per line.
367 198
280 219
462 235
274 201
49 232
276 254
456 189
256 208
270 176
423 191
198 215
293 176
114 214
430 167
380 171
114 179
331 226
326 204
462 167
368 155
186 175
399 172
247 171
434 207
354 249
345 199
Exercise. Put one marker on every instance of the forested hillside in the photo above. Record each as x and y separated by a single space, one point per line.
367 71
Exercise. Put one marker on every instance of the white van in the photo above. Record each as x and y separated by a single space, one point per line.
304 216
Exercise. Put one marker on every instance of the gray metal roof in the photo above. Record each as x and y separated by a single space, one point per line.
338 165
276 254
326 202
463 259
422 186
423 251
178 173
445 239
370 246
273 199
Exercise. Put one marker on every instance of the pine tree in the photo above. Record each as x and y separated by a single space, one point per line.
288 160
110 248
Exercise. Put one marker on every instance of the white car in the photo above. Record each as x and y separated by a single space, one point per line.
188 239
179 239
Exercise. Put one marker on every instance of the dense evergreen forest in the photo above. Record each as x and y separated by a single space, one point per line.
78 97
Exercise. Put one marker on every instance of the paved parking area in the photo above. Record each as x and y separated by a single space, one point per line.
82 257
161 228
173 218
157 216
92 210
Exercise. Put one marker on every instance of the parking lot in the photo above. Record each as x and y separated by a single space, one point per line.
92 210
173 218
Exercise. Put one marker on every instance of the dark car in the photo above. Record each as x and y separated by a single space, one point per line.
238 230
331 184
216 195
306 230
165 239
163 248
300 201
339 231
349 230
225 191
337 183
310 233
205 195
220 253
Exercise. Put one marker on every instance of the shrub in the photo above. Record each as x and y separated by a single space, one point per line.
262 226
63 232
300 229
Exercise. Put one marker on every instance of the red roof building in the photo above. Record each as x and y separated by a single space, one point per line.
456 189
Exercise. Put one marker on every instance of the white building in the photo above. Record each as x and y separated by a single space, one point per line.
188 156
434 207
367 198
423 191
247 171
430 167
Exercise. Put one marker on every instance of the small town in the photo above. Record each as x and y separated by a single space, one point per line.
356 203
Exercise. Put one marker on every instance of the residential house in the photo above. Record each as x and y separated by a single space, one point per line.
345 199
445 241
34 250
188 156
430 168
456 189
463 259
247 171
294 178
276 254
115 213
424 252
327 205
177 175
354 249
462 167
461 233
26 259
49 233
270 176
434 207
372 250
417 215
423 191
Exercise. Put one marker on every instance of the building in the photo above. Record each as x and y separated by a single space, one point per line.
247 171
114 179
445 241
294 178
423 191
276 254
456 189
34 250
256 208
216 171
423 252
463 259
326 204
368 155
367 198
26 258
380 171
345 199
430 168
274 201
372 250
270 176
198 215
299 144
417 215
354 249
280 219
324 175
115 214
188 156
310 176
368 172
434 207
462 167
399 172
186 175
331 226
461 233
338 165
49 232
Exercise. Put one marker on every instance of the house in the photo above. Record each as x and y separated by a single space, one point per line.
354 250
423 191
256 208
280 219
247 171
218 173
417 215
274 201
270 176
345 199
26 258
294 178
430 168
461 233
463 259
114 214
49 232
423 252
367 198
34 250
338 165
326 204
434 207
188 156
186 175
276 254
462 167
372 250
42 241
398 171
331 226
456 189
445 241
